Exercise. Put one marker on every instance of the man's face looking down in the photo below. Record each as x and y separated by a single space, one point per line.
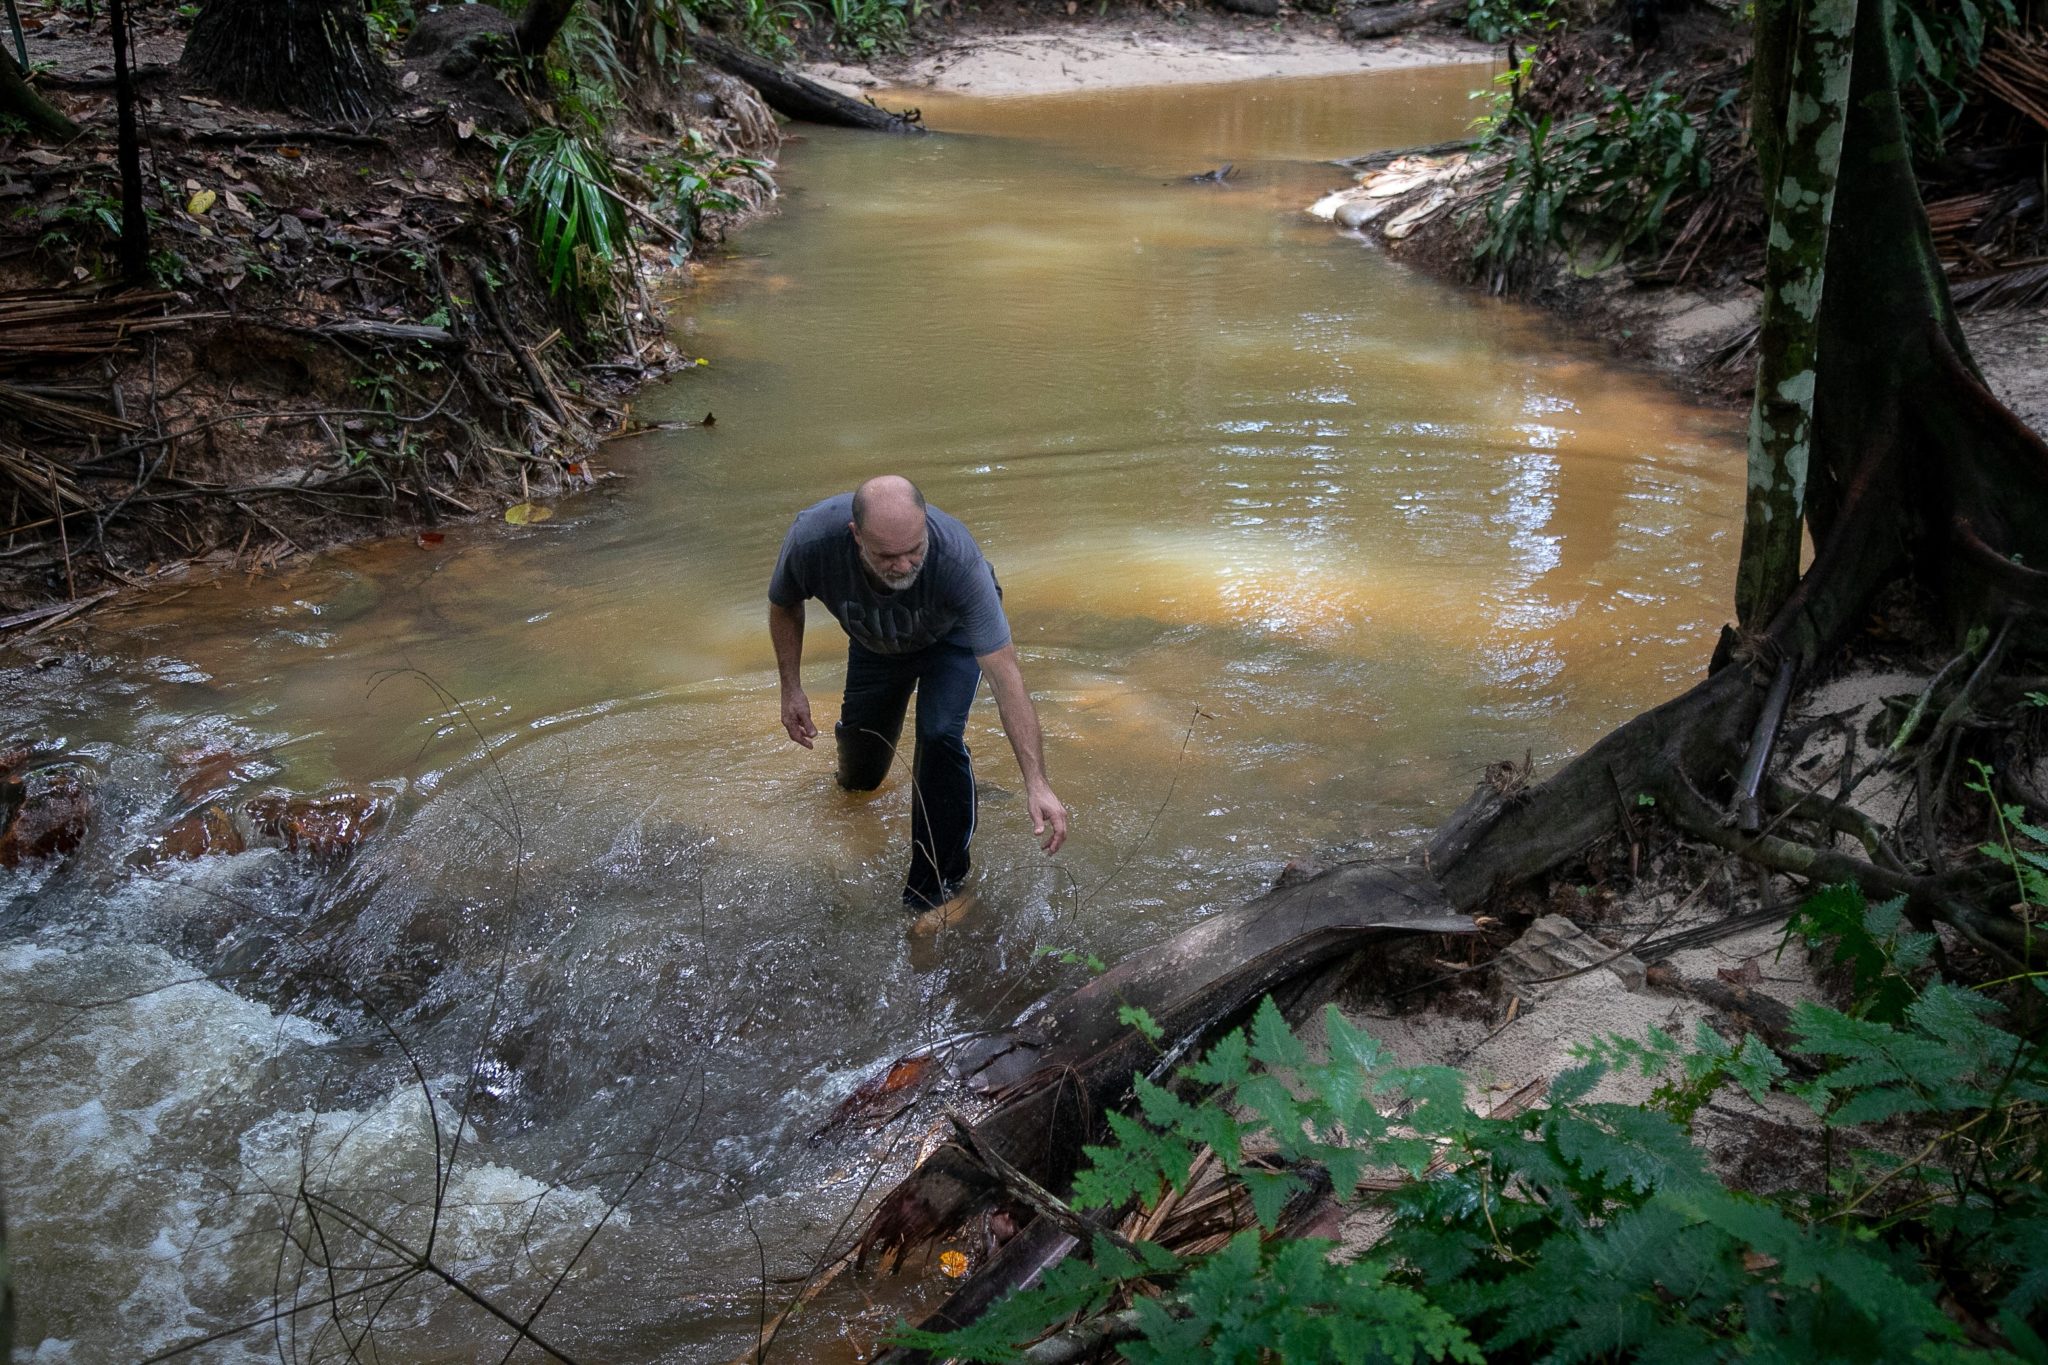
894 555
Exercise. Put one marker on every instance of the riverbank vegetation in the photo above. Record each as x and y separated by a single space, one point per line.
1579 1228
282 276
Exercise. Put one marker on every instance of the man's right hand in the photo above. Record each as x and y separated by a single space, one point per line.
796 717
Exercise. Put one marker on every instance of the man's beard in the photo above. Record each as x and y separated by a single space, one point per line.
895 582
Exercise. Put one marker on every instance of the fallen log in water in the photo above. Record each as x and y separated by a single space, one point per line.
1055 1072
795 96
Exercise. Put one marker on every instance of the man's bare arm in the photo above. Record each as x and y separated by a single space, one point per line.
1020 723
786 631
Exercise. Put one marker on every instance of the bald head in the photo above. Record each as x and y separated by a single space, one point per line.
888 526
888 500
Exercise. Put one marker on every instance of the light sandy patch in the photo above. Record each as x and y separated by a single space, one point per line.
1088 56
2011 347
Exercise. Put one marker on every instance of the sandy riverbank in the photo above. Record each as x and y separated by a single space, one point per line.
1091 54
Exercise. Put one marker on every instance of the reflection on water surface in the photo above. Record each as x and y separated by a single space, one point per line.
1294 544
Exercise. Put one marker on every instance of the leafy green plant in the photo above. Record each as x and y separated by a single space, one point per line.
1506 85
1936 45
587 72
1872 942
697 181
1493 21
1607 177
2029 866
1584 1230
869 26
767 23
391 20
563 187
649 34
1689 1076
85 230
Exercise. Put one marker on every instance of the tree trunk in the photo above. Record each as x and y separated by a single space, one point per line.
1799 171
312 57
19 98
128 152
6 1295
539 25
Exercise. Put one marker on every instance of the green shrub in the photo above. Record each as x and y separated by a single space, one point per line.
1588 1230
1606 178
869 26
1937 44
1493 21
562 181
694 182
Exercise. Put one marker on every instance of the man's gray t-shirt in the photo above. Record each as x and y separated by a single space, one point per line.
955 598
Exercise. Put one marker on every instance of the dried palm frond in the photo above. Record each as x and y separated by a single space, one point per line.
2017 286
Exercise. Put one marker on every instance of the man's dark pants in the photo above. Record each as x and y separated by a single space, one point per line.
942 795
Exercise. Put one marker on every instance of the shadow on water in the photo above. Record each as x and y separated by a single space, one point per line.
1294 543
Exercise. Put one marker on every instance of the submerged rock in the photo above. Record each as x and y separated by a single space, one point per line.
324 825
47 812
210 829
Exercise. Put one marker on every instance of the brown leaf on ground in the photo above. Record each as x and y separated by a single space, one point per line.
1748 974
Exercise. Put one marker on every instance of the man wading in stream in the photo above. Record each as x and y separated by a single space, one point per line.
922 611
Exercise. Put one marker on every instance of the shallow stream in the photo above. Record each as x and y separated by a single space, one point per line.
1294 543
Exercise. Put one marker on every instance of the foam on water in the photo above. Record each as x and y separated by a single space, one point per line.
159 1130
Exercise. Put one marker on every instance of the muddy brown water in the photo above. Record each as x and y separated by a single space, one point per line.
1294 543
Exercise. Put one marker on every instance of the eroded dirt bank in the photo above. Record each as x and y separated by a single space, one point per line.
343 330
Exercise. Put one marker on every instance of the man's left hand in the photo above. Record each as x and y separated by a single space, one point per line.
1048 818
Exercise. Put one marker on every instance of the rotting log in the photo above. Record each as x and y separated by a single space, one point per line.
795 96
1060 1067
396 334
19 98
1383 21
